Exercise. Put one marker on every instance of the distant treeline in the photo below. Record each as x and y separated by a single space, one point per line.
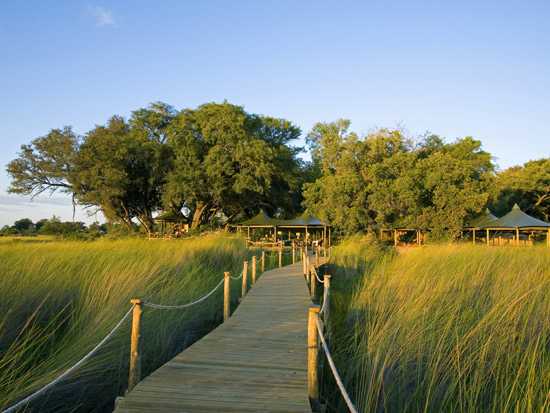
54 226
218 163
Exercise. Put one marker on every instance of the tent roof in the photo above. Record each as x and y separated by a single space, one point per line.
302 221
482 221
170 216
517 218
262 219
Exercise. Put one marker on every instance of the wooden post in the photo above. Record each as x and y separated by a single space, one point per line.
134 375
226 295
474 236
280 257
293 253
245 278
517 236
487 234
304 262
326 286
313 283
263 261
395 238
253 270
313 357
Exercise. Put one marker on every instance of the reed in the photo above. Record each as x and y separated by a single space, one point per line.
59 298
446 328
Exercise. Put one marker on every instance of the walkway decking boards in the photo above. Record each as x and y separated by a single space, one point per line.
255 362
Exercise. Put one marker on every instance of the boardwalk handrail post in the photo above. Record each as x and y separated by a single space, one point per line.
226 295
280 257
313 282
245 278
134 373
313 357
263 261
293 253
326 305
253 270
304 262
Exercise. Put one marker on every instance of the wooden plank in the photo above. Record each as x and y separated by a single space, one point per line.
254 362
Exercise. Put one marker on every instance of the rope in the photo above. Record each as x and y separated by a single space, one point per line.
316 276
67 372
237 278
339 382
180 306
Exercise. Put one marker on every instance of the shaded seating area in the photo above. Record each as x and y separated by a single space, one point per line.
170 225
516 228
262 230
403 236
476 226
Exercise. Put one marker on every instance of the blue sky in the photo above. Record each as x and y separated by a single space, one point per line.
452 68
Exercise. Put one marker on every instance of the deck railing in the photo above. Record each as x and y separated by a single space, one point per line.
317 328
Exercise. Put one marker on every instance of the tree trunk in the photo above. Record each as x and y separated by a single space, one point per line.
198 214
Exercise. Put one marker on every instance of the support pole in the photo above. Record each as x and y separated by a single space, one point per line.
395 239
245 279
326 286
280 257
517 236
487 235
253 270
313 283
474 236
134 375
313 357
293 253
226 295
263 261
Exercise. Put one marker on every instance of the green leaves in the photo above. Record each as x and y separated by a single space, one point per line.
385 180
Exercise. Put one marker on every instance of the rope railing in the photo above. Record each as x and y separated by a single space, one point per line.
71 369
136 309
181 306
333 369
316 326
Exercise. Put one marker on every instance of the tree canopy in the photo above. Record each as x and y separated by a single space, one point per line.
210 161
386 180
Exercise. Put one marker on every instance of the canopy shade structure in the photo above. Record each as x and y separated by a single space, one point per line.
303 220
260 220
516 218
482 221
170 216
305 228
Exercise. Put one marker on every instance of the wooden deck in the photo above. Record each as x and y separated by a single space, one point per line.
255 362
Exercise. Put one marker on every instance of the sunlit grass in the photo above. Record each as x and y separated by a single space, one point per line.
448 328
59 298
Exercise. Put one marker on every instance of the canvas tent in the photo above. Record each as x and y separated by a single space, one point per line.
480 223
305 228
519 222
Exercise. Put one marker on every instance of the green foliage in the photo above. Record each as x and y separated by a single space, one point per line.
528 186
212 163
384 180
44 165
229 161
445 328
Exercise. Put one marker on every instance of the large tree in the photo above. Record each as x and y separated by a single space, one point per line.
528 186
384 179
45 165
121 170
228 161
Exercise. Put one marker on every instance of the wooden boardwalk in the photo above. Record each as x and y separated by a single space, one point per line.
254 362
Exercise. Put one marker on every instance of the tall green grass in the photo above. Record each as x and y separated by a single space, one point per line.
448 328
60 298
